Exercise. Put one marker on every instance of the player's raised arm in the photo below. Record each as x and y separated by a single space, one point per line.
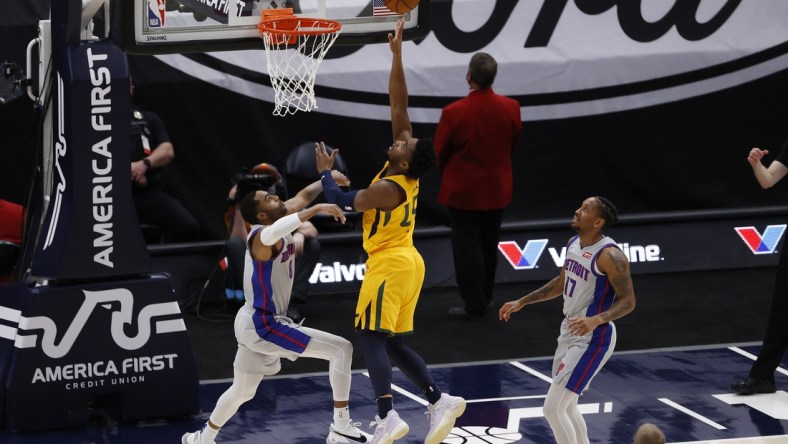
383 194
398 89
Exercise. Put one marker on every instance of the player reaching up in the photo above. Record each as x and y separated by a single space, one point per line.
395 269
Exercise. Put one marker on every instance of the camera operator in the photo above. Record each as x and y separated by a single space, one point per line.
307 248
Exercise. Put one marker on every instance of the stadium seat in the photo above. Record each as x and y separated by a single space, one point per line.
300 171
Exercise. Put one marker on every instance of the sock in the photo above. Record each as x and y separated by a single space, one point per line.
385 404
208 434
433 393
341 415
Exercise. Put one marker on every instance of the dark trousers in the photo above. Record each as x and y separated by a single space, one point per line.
776 340
474 241
158 208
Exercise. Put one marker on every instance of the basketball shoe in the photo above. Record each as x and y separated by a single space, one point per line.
442 415
347 434
389 429
194 438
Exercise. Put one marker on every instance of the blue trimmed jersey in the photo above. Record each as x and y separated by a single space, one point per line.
587 292
267 286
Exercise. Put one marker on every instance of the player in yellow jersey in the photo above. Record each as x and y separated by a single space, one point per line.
395 269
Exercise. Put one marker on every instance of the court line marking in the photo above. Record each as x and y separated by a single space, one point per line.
695 415
402 391
505 361
527 369
507 398
747 354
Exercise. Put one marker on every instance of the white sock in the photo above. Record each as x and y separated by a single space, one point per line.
208 434
341 415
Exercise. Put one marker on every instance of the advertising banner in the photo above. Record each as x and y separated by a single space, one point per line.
657 248
531 252
120 342
91 229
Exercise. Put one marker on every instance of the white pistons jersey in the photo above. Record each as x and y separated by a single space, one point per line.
267 284
587 292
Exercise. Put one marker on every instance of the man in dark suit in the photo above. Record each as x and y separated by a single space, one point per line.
474 142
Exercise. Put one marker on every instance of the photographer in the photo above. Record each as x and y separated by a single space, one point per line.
266 177
151 150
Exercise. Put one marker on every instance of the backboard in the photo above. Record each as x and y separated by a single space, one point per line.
177 26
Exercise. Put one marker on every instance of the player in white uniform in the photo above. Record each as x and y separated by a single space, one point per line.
597 288
264 333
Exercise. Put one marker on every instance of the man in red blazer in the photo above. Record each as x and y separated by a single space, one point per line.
474 142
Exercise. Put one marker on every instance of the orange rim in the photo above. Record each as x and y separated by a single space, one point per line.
287 26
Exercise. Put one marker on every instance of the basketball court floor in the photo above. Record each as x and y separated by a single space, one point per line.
685 391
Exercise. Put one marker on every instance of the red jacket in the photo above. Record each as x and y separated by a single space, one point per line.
11 215
474 142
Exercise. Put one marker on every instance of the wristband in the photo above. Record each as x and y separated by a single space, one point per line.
146 161
335 195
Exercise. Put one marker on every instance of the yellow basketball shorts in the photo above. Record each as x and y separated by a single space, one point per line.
390 291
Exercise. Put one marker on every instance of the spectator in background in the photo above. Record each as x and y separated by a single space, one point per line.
649 434
761 377
307 247
151 150
11 221
474 142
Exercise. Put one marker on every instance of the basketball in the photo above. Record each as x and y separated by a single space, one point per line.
401 6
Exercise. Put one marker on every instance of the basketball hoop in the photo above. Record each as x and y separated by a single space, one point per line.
294 48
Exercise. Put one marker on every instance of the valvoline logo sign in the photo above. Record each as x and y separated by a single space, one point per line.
523 258
765 243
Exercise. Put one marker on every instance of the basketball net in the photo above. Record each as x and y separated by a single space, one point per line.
294 48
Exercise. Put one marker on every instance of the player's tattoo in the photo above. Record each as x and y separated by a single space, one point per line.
621 280
619 259
547 291
619 308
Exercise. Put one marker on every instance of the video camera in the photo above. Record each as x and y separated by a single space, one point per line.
263 176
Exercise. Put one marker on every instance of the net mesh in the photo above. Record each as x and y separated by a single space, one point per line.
294 48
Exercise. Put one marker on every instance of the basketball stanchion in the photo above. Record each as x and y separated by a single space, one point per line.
294 48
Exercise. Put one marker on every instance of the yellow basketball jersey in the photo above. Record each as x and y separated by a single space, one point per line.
391 229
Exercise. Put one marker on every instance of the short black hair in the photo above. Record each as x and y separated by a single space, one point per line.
249 208
483 69
422 160
607 210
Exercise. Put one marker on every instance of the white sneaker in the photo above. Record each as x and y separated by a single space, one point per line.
442 415
194 438
347 434
389 429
